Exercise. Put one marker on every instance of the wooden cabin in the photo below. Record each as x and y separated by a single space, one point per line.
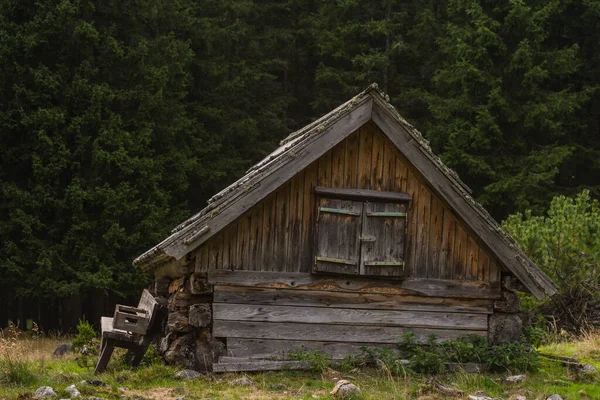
350 234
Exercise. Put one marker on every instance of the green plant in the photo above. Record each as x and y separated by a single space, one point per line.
85 334
318 361
511 357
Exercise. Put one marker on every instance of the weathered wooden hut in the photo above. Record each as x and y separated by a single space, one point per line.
351 233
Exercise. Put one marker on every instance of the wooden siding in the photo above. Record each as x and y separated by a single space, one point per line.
277 233
267 322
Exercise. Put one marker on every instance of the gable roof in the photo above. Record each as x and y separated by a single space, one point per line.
306 145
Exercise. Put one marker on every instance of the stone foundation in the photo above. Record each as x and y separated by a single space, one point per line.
187 340
505 325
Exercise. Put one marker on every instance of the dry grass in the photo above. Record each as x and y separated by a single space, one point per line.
586 348
31 346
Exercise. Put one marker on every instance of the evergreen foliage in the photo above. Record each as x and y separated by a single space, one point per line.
119 119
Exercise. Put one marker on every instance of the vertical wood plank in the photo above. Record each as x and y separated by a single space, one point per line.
351 161
308 216
216 249
422 233
436 229
202 259
446 256
389 166
255 245
472 258
233 246
338 155
325 169
225 263
244 240
281 228
460 252
267 233
365 150
412 188
484 266
377 161
494 271
296 210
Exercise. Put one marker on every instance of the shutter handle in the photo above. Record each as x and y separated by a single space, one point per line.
367 238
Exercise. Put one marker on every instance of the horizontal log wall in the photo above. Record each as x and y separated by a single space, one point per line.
270 322
276 234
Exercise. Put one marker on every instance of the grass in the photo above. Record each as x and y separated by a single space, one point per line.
26 364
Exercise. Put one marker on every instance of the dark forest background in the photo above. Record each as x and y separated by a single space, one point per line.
118 119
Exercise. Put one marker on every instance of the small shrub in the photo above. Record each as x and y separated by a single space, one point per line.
318 361
511 357
85 335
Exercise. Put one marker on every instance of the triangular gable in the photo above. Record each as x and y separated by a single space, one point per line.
303 147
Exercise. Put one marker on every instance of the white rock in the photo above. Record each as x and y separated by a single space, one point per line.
515 378
345 389
471 397
188 374
588 369
73 392
555 397
43 392
243 381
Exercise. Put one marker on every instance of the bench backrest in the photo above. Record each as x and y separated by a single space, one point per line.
148 303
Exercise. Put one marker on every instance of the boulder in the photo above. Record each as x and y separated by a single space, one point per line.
346 390
555 397
181 351
188 374
208 351
72 390
243 381
44 392
504 328
62 349
200 315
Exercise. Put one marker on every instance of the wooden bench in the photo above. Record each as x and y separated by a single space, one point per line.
137 343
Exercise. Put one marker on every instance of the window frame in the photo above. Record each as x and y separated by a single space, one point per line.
365 197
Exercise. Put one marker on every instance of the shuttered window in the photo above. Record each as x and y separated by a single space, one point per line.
359 236
337 235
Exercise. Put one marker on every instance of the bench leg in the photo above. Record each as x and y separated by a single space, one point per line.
105 353
138 354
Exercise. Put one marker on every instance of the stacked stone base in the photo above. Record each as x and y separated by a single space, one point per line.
505 325
187 340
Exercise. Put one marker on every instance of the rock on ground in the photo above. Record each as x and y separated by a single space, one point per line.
588 369
346 390
73 392
555 397
471 397
515 378
62 349
188 374
278 386
243 381
43 392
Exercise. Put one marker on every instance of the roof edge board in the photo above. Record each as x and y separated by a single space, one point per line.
540 286
353 117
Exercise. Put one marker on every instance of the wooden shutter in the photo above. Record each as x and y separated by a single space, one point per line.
337 246
382 239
